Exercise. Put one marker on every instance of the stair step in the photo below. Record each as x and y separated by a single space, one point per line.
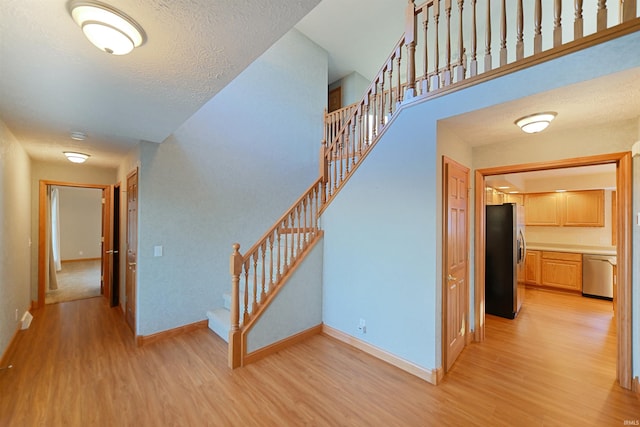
220 322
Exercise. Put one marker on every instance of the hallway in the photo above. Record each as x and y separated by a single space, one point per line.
77 365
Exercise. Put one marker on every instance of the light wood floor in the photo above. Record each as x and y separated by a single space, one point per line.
77 366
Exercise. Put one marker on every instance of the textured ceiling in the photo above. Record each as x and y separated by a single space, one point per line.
53 81
608 99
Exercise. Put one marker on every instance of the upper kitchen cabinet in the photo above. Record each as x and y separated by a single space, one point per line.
542 209
584 208
568 209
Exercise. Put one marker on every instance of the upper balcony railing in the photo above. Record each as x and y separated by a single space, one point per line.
447 43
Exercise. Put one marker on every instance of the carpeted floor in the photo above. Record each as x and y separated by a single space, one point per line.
76 280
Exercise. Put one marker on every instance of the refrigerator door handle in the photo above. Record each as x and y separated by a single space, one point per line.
522 247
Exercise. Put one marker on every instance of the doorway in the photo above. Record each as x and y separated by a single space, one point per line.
623 245
95 265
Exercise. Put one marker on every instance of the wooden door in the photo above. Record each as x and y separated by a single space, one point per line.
132 249
455 254
106 275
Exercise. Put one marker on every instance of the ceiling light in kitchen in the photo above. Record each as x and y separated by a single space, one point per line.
536 122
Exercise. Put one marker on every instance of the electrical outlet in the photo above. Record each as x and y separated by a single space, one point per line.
16 315
362 326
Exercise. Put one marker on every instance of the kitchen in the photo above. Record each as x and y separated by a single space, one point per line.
567 222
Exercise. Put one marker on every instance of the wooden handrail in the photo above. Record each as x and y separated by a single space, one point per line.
351 132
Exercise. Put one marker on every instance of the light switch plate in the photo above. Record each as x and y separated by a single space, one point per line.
157 251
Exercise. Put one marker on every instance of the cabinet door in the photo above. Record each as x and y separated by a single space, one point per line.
542 209
584 208
532 267
562 270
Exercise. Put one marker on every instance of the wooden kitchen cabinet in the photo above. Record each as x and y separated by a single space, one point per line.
561 270
542 209
532 267
567 209
583 208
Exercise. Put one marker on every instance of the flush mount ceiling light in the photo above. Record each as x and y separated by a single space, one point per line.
535 122
76 157
107 28
78 136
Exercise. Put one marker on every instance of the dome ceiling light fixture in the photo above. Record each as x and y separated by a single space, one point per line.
78 135
107 28
535 123
75 157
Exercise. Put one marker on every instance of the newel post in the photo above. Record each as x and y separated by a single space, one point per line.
234 333
410 42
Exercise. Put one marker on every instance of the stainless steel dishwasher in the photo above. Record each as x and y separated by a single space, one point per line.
597 276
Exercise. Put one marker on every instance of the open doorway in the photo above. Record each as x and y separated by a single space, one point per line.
74 241
622 162
75 225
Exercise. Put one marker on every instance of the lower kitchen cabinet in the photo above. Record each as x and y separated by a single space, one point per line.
562 270
532 267
559 270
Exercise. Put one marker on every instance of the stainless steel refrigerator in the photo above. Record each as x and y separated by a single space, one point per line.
504 260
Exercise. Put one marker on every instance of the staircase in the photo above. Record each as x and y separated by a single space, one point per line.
351 133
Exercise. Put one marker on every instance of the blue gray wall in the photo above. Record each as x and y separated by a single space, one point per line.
226 175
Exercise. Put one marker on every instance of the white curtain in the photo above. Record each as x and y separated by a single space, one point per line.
55 228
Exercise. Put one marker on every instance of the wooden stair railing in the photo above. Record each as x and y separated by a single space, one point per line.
350 133
258 274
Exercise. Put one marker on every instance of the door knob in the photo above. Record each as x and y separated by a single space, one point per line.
450 277
131 264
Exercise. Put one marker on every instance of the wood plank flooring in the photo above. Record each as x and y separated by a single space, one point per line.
78 366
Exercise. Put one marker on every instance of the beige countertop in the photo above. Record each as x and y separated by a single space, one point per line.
581 249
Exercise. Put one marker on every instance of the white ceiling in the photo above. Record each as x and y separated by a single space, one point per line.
53 81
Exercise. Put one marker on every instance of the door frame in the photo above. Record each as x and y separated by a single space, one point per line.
114 299
445 235
42 230
623 246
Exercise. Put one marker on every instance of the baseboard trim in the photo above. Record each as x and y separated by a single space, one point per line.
635 385
148 339
280 345
433 376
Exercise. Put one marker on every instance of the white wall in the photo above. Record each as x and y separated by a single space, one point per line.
15 216
80 223
66 172
353 87
380 251
226 175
